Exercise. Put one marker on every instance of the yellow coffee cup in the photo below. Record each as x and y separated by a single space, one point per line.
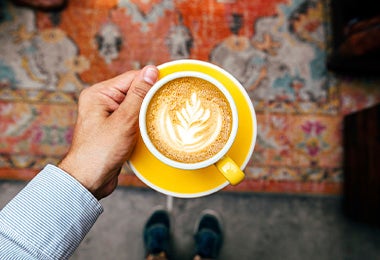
193 183
189 120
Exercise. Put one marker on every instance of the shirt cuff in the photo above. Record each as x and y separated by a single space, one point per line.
51 215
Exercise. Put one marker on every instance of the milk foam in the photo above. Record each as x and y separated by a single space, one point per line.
192 130
189 120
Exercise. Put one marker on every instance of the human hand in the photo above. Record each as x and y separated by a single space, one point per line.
106 130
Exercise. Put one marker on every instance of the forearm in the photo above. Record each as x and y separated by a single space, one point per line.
49 218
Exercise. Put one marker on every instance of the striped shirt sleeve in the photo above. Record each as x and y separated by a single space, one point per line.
48 218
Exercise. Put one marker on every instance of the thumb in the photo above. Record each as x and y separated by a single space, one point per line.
130 107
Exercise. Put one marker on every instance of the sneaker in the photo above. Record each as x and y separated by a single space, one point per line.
157 234
208 235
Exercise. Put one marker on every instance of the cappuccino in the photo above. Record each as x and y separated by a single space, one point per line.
189 120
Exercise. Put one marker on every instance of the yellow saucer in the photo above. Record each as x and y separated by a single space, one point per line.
197 183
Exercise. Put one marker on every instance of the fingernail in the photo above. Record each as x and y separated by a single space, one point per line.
150 75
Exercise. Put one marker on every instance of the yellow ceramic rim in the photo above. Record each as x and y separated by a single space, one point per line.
197 183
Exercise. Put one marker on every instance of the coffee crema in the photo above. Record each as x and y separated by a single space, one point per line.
189 120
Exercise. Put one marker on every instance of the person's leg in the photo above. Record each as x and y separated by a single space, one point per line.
157 236
208 236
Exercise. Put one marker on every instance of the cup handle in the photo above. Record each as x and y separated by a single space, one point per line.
230 170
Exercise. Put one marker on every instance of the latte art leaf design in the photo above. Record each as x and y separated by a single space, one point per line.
193 120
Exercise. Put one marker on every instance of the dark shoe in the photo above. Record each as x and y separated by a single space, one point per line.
157 233
208 235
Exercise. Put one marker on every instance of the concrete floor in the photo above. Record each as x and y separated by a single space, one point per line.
257 226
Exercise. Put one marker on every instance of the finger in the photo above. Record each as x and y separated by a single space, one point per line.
130 107
106 96
120 83
115 89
